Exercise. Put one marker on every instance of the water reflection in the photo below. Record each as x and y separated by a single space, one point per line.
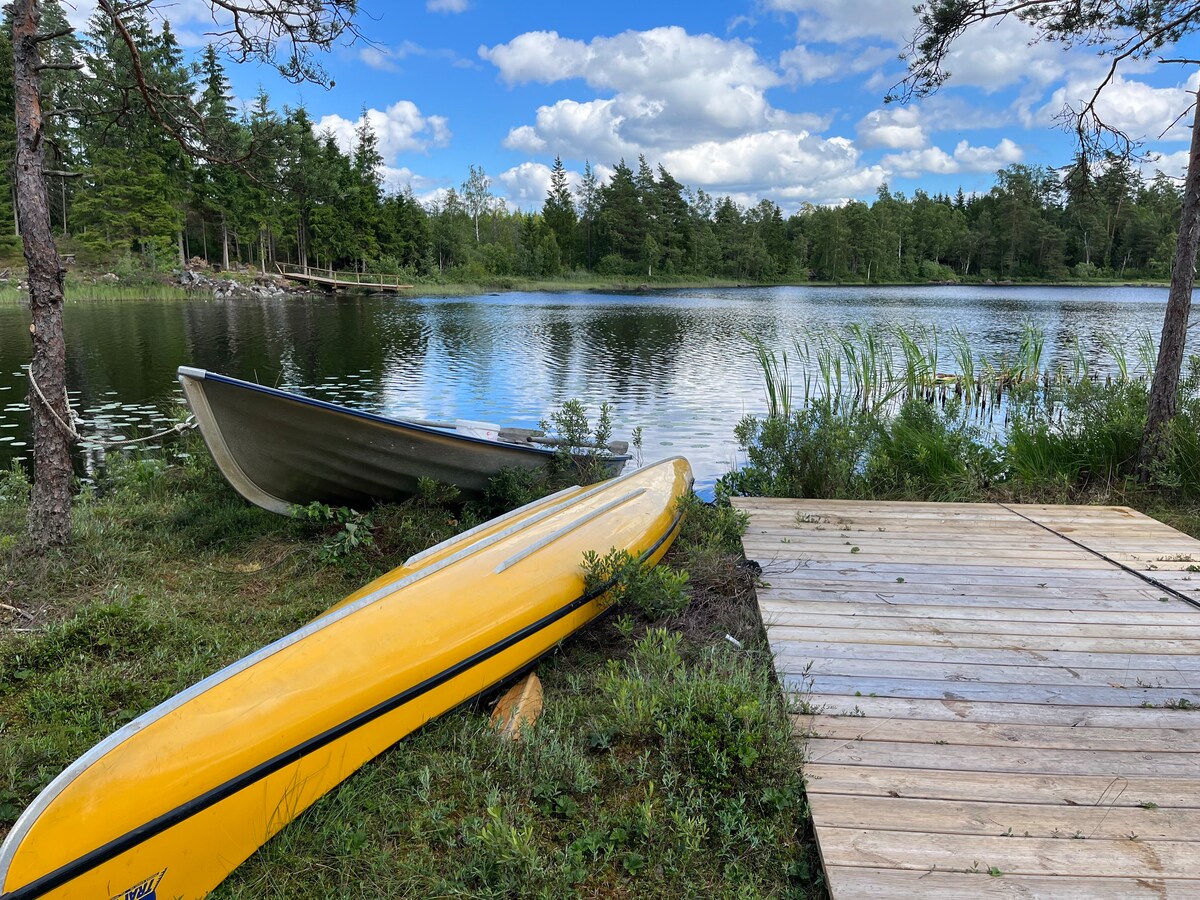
675 362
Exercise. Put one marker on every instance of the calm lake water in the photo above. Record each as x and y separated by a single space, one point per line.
678 363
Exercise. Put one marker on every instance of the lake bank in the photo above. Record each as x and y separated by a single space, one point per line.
100 285
665 750
662 750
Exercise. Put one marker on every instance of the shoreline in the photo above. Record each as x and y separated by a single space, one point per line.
91 287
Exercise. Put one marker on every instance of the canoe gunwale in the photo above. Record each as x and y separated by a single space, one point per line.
117 846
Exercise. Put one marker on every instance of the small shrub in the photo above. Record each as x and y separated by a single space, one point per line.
1088 436
582 455
347 530
814 452
654 592
14 486
929 453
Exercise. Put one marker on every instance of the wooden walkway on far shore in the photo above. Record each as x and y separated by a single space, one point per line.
1000 701
342 280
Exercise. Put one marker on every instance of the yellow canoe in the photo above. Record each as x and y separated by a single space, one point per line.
174 801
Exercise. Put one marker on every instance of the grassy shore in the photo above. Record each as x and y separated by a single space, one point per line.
89 286
662 767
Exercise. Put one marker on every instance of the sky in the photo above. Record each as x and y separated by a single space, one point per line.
775 99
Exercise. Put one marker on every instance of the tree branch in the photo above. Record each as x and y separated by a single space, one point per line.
49 36
58 67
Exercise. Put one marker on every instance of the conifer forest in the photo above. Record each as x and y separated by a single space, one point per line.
267 187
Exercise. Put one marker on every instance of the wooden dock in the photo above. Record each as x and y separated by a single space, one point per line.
1001 701
340 281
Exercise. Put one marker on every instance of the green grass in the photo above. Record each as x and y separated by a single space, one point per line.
83 291
664 765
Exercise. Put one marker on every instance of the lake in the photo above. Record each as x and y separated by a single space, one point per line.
678 363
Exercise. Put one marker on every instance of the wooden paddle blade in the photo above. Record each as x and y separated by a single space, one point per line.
520 706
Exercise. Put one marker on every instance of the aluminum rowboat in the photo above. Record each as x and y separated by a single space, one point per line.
278 449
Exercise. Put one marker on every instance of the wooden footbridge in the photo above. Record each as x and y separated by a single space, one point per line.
999 701
335 281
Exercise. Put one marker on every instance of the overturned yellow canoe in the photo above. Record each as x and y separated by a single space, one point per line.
178 798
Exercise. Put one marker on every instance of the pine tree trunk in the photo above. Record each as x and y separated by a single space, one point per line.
224 244
1164 389
50 507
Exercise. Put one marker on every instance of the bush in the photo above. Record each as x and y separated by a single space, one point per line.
930 453
813 452
654 592
1088 438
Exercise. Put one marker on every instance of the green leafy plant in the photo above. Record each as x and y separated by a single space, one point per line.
654 592
347 530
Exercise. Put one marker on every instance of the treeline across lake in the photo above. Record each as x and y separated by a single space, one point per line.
141 186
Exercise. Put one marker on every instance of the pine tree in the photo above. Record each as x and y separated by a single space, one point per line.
220 190
588 195
559 212
132 170
622 217
365 191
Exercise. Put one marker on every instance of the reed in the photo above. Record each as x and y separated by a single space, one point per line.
964 358
1147 352
1115 346
776 379
104 292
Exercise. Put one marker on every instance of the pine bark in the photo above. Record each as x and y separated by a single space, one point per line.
1164 389
50 507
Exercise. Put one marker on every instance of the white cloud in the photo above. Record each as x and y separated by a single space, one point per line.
995 56
447 6
386 59
805 66
791 167
669 87
378 58
396 179
839 20
1173 165
526 185
987 159
896 128
401 128
541 56
1138 109
695 103
966 158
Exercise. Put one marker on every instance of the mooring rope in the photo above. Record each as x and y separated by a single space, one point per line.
73 433
1116 562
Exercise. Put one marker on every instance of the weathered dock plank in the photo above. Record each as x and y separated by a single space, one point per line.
999 701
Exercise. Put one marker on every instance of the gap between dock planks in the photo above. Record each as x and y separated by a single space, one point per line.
993 707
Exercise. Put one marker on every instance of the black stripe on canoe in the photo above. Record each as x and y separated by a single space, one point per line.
156 826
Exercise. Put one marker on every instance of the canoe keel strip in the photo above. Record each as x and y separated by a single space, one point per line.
153 809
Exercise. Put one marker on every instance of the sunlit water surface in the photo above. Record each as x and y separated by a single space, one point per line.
677 363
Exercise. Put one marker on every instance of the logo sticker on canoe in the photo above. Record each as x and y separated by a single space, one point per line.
144 890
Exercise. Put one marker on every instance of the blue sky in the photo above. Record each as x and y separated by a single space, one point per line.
780 99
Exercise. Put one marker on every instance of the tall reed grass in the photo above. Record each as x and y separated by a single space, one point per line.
104 292
871 416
